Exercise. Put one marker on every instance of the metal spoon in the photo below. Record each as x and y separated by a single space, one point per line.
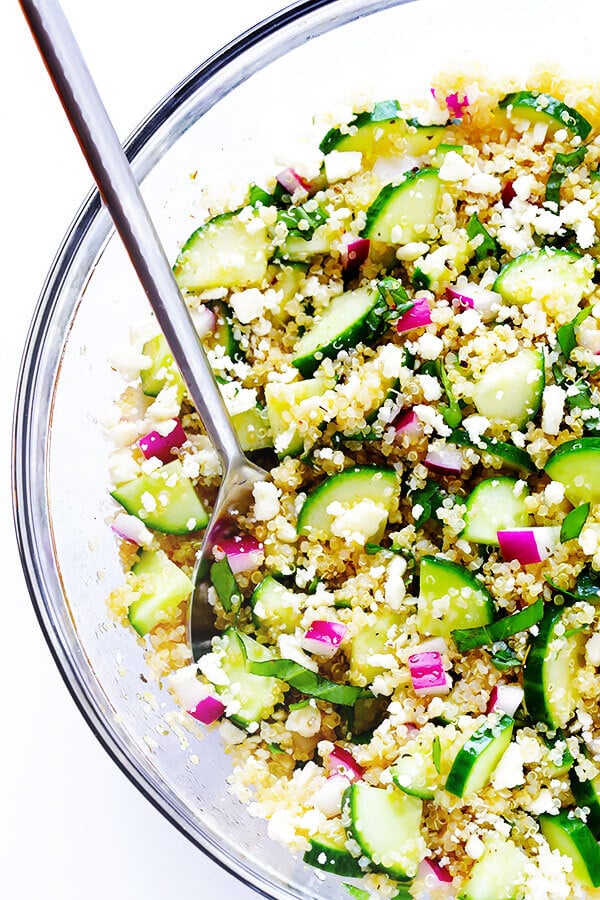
119 190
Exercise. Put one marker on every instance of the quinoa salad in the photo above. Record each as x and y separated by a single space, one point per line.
405 327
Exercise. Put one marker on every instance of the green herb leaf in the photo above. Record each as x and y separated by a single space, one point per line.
308 682
489 246
566 333
485 635
504 658
356 892
573 522
568 595
275 748
257 196
385 110
224 583
563 165
397 301
431 497
452 413
587 586
582 400
436 753
301 223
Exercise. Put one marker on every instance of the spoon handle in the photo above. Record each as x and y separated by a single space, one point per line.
119 190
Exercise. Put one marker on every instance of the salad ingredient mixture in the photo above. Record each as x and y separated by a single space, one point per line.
407 673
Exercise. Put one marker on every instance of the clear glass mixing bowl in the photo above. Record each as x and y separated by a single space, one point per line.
225 121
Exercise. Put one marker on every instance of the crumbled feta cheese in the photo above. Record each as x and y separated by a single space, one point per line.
247 305
411 251
523 186
432 420
475 426
305 721
509 771
266 500
129 362
186 686
553 407
395 588
238 399
592 650
481 183
554 493
468 320
358 523
432 390
454 167
289 648
339 166
328 798
392 358
429 346
544 802
474 847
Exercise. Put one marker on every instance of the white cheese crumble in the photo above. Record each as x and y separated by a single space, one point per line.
248 305
266 500
432 389
359 522
509 771
305 721
481 183
339 166
476 426
592 650
553 407
395 589
554 493
455 168
429 346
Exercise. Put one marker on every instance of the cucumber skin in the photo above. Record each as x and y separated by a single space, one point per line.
386 194
309 503
582 837
349 809
469 753
533 670
585 795
469 580
386 111
339 862
582 444
554 109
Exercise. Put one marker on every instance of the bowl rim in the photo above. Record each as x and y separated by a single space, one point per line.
48 304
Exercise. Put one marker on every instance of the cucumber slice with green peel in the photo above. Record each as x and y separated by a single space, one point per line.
350 318
296 249
476 761
494 505
509 454
386 824
576 464
224 252
223 335
163 371
538 107
165 500
511 391
287 279
166 587
252 696
370 641
587 793
450 598
287 404
382 131
558 277
498 874
412 774
571 837
404 211
555 654
253 429
347 490
333 856
276 607
442 150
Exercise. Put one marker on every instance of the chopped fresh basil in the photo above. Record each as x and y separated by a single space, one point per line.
436 753
485 635
430 498
275 748
504 658
452 413
587 586
224 583
573 522
566 333
308 682
563 165
257 196
488 246
300 222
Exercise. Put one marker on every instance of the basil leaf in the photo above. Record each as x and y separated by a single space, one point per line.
256 196
563 165
384 110
587 586
452 414
582 400
470 638
308 682
436 753
504 658
275 748
431 497
566 333
573 522
356 893
224 583
300 222
489 246
568 595
397 301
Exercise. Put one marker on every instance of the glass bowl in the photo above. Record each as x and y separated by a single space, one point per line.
224 121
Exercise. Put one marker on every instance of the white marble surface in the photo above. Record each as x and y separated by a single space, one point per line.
73 827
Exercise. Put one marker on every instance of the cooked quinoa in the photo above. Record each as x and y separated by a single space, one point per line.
421 404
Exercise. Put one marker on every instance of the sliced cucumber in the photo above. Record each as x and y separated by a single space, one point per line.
289 278
587 793
511 391
477 759
286 405
386 824
510 455
165 500
576 464
498 874
351 317
537 107
557 277
442 149
225 252
404 212
252 696
369 642
450 598
223 335
253 429
296 249
275 606
162 372
495 504
166 587
349 488
383 131
571 837
412 774
554 657
333 856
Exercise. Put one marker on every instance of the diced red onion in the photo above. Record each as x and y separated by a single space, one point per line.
427 674
505 698
161 446
588 339
324 637
205 321
455 106
431 872
291 182
417 317
207 710
341 762
528 545
243 552
354 254
508 193
446 461
473 296
409 423
131 529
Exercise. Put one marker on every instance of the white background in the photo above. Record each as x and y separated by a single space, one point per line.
72 826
